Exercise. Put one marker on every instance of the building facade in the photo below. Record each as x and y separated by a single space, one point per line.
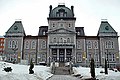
2 46
61 41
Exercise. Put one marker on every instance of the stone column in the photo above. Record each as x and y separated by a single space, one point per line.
50 55
58 55
65 56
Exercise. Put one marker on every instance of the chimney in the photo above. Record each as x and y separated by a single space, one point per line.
50 9
72 9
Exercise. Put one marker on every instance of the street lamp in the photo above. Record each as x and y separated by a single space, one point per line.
14 49
107 58
49 60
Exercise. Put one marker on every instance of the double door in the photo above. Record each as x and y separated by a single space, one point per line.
61 55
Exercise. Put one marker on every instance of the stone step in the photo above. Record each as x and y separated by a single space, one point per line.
63 77
62 71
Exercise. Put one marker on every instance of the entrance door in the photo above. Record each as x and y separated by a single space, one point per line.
54 55
61 55
68 54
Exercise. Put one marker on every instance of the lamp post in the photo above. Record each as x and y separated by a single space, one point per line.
49 60
14 49
107 58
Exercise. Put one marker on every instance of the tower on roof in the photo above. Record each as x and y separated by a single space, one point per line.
61 12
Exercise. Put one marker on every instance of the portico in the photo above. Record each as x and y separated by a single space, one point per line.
61 54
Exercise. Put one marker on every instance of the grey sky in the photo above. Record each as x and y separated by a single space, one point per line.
34 13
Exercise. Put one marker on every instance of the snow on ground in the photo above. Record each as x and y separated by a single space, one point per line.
85 72
21 72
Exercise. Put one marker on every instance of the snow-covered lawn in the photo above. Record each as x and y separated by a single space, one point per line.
85 72
21 72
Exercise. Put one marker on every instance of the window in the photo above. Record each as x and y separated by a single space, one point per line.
68 40
53 25
95 45
61 25
112 45
113 57
27 45
89 56
96 57
43 44
69 25
61 14
13 44
78 33
44 32
26 56
54 40
33 44
109 45
89 45
78 45
43 57
79 57
61 40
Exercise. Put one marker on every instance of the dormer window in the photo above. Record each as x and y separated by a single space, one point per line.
53 25
44 32
61 14
15 27
78 33
61 25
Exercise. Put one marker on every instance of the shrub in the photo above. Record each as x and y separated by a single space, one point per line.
106 70
31 67
92 68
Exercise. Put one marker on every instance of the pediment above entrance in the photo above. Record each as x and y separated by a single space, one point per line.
62 30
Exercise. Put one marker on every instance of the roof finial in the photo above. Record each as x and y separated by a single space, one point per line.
18 19
103 19
61 3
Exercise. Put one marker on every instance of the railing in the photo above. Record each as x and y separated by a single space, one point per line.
62 43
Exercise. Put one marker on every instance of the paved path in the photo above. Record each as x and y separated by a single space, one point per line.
63 77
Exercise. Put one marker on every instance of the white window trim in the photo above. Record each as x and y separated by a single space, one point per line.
43 44
33 46
79 57
78 44
95 47
27 46
89 46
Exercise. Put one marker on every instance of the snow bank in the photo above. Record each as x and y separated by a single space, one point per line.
85 72
21 72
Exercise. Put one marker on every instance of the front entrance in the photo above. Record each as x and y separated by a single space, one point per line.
61 55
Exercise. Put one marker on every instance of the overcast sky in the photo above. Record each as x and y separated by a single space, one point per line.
34 13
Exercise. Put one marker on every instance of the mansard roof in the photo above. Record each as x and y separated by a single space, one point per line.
16 29
106 29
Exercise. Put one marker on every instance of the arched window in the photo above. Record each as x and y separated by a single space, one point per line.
10 44
54 40
78 45
61 40
33 44
27 45
95 45
43 44
89 44
13 44
68 40
44 32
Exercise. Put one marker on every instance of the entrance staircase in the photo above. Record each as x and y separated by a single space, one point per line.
61 69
